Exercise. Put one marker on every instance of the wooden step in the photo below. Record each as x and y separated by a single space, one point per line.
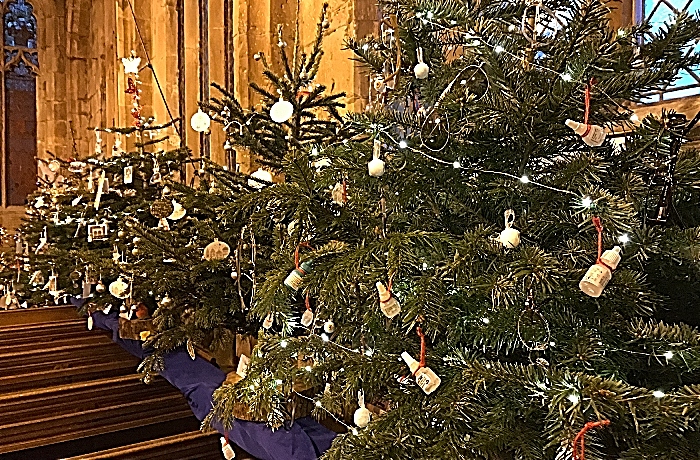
36 315
185 446
36 404
121 414
25 364
29 347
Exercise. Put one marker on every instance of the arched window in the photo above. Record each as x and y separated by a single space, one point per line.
21 64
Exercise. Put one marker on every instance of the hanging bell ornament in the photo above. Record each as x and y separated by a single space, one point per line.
421 70
376 166
100 287
200 121
509 237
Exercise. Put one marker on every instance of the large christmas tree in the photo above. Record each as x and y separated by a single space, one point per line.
393 244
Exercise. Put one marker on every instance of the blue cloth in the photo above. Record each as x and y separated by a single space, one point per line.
197 379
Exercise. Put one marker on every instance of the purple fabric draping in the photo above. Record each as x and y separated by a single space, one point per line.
197 379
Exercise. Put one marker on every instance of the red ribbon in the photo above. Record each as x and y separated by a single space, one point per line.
599 228
345 191
307 302
587 102
421 334
580 439
303 244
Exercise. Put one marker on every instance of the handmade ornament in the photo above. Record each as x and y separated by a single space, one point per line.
97 232
243 364
162 208
329 326
131 64
379 85
387 302
200 121
599 274
216 250
128 174
308 317
509 237
362 415
421 70
339 193
281 111
100 287
376 165
52 284
90 323
36 278
426 379
98 143
294 279
227 450
119 288
264 177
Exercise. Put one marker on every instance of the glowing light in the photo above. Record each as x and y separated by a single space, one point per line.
624 238
485 320
566 77
525 179
586 202
369 352
403 144
430 15
355 432
325 337
634 118
278 382
456 165
499 49
365 47
659 394
668 354
573 398
318 403
284 344
308 368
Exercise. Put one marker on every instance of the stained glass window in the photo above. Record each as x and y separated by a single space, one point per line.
658 12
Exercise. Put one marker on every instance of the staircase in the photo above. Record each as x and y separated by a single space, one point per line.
69 392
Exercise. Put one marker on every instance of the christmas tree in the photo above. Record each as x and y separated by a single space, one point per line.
487 259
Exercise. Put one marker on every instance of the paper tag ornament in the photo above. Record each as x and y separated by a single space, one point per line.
509 237
89 323
267 323
227 450
216 250
128 174
97 232
426 379
100 189
387 302
162 208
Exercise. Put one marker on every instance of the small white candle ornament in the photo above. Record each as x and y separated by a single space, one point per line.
599 275
592 135
509 237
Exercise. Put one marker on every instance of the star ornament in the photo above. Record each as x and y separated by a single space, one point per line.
131 64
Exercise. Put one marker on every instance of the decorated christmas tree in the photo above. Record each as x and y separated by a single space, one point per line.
484 267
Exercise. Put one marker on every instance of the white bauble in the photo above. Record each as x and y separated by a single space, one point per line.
362 417
421 70
261 174
200 121
376 167
329 327
509 238
281 111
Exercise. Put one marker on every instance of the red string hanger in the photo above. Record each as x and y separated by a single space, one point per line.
421 334
303 244
579 450
587 105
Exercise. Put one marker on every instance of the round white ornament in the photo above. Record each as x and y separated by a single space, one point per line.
329 326
54 165
216 250
262 174
307 318
509 237
362 415
119 289
421 70
281 111
200 121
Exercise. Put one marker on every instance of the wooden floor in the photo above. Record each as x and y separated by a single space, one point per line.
66 392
